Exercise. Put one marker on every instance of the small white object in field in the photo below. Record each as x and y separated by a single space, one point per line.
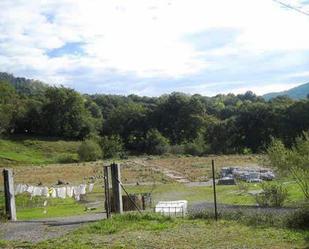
172 208
91 185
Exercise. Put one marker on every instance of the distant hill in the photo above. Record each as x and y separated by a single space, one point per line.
23 85
299 92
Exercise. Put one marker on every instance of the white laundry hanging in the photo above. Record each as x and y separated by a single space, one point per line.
90 188
52 192
30 189
61 192
37 191
83 189
76 192
69 191
45 192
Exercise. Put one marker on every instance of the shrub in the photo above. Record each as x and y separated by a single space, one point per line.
67 158
273 195
299 219
177 149
292 161
156 143
89 150
111 146
197 147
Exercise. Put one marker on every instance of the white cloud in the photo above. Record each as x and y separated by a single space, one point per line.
142 37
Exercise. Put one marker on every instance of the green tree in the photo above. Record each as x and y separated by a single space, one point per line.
112 146
65 114
156 143
11 108
294 161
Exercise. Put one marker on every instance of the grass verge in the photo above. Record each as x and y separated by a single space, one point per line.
152 231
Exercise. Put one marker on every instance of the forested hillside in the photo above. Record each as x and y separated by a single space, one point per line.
299 92
174 123
23 85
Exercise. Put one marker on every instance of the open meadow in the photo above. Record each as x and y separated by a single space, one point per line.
167 178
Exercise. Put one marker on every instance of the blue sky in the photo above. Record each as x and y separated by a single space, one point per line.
153 47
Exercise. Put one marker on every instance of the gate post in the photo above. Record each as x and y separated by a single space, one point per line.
107 191
9 194
116 183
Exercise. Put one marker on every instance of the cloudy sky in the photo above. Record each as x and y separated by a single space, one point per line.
152 47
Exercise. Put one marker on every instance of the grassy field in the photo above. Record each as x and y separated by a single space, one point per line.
32 208
23 150
30 159
151 231
199 168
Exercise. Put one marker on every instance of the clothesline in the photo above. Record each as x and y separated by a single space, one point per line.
54 192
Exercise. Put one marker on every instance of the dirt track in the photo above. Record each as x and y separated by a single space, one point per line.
39 230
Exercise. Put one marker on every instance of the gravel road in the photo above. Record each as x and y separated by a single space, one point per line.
39 230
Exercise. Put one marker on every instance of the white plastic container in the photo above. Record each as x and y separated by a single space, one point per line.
172 208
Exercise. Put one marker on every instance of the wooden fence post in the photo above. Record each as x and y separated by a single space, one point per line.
9 194
116 183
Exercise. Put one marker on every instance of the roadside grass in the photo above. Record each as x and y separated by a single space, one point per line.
27 150
153 231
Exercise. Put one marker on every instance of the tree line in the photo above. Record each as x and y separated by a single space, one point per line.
174 123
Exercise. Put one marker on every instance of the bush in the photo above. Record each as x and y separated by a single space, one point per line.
299 219
293 162
111 146
156 143
67 158
193 149
273 195
177 149
197 147
89 150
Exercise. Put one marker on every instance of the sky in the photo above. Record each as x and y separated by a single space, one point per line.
153 47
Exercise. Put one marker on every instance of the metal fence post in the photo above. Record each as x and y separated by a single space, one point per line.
214 188
9 194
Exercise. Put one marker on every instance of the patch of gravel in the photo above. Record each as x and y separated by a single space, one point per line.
43 229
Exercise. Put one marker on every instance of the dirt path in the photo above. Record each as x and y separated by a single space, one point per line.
39 230
172 174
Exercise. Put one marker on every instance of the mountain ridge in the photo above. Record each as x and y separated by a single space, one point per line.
298 92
